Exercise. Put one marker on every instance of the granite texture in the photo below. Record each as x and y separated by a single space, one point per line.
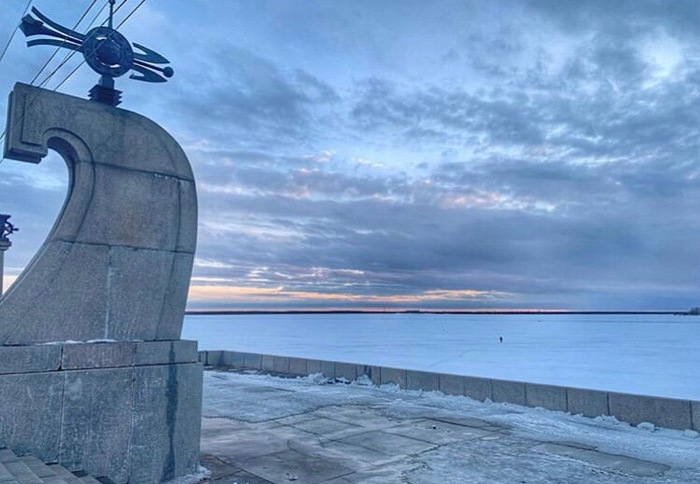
117 263
30 411
29 359
115 393
127 411
167 419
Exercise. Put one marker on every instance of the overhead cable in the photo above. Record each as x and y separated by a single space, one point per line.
55 52
12 36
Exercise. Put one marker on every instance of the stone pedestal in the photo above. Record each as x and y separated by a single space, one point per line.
128 411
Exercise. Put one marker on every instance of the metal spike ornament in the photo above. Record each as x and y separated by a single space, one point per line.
105 50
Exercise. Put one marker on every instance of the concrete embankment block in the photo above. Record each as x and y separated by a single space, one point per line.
239 359
375 374
214 358
252 361
589 403
546 396
313 367
393 375
695 409
345 371
234 359
281 364
664 412
478 388
451 384
422 380
508 392
298 366
268 363
328 369
361 370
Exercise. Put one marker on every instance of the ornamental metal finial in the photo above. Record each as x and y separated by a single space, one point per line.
6 227
105 50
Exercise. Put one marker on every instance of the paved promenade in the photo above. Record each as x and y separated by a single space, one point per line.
261 429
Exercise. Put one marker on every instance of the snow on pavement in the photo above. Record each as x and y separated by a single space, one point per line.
522 456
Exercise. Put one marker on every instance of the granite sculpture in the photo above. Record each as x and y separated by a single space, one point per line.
93 374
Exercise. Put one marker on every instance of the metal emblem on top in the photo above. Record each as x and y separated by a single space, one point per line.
105 50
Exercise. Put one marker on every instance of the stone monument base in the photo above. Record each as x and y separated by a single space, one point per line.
129 411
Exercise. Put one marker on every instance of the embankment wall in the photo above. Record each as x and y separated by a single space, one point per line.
635 409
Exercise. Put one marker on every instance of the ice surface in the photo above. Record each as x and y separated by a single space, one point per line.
649 355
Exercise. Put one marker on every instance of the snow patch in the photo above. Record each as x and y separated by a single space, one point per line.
646 426
198 476
315 378
363 380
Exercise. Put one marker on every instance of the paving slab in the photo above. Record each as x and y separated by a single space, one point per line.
387 443
618 463
290 465
360 416
357 457
324 426
436 432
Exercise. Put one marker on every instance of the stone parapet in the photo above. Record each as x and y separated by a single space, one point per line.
635 409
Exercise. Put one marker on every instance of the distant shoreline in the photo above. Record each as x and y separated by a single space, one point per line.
428 311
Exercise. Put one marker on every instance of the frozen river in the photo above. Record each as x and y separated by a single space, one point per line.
651 355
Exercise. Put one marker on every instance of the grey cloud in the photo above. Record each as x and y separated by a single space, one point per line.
625 17
380 104
249 96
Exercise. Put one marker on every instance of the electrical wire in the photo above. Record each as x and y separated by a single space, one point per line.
55 52
12 36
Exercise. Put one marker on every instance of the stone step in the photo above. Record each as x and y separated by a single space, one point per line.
38 467
22 473
28 469
89 480
52 480
65 474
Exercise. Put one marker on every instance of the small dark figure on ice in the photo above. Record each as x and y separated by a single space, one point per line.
500 338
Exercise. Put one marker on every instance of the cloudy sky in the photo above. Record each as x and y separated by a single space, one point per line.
412 154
